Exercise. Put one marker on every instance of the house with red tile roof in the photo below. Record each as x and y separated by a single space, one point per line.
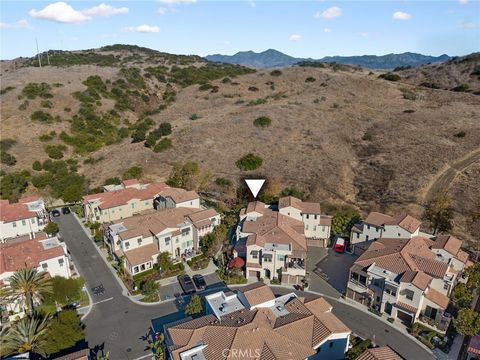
409 279
286 327
139 239
378 225
132 197
26 217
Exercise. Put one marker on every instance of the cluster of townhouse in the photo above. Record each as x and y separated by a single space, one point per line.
403 272
23 244
140 221
252 323
273 241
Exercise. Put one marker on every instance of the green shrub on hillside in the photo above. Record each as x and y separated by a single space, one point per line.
163 145
13 185
223 182
135 172
133 76
249 162
55 151
42 116
6 89
390 77
66 58
5 157
276 73
461 88
262 121
310 79
37 165
32 90
408 94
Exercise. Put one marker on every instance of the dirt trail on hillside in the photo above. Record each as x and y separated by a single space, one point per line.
445 177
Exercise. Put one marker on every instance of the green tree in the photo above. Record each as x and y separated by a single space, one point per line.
37 165
149 287
343 221
164 261
51 228
473 273
194 307
467 322
72 193
13 185
113 181
184 175
27 285
63 332
462 295
249 162
65 291
26 335
439 212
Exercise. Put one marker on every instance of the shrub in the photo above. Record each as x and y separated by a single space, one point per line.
276 73
461 88
249 162
205 87
226 80
46 104
113 181
135 172
7 159
32 90
13 185
163 145
37 165
262 121
42 116
55 151
51 228
409 111
6 89
290 191
460 134
133 76
390 77
67 109
194 117
256 102
252 88
223 182
310 79
408 94
23 106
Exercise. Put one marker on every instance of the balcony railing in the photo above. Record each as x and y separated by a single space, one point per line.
441 324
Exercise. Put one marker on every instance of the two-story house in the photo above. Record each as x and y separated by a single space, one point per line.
40 252
316 226
378 225
409 279
252 323
26 217
139 239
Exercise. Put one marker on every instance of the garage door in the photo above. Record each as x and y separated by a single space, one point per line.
406 318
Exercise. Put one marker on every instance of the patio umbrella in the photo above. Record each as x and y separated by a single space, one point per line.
238 263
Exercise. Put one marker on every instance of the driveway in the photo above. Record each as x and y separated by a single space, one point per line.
335 269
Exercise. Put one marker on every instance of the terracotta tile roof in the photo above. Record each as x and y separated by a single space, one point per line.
325 220
401 255
18 254
255 206
28 199
274 227
179 195
142 254
257 293
474 345
130 182
405 221
462 256
203 214
121 197
406 307
304 207
417 278
293 336
380 353
448 243
438 298
15 212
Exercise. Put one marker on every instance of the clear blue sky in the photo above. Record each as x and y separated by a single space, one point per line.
298 28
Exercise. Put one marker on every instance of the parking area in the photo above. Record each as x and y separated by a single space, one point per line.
335 269
168 291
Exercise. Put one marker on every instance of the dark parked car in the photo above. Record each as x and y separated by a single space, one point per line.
199 281
55 213
65 210
186 284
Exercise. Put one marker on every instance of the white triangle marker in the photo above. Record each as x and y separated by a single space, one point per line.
255 185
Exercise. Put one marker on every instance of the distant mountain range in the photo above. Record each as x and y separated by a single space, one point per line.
272 58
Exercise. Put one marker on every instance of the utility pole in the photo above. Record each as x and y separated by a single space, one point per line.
48 58
38 53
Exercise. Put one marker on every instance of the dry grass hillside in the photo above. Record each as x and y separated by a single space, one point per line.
342 136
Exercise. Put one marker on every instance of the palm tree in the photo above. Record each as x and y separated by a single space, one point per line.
25 335
27 285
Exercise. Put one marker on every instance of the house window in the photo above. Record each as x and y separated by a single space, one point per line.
323 228
135 269
139 241
368 227
44 266
60 262
33 220
113 211
24 223
306 227
446 285
127 244
280 257
308 216
267 258
133 205
315 217
176 240
366 238
358 235
14 224
254 254
146 203
409 294
167 241
376 229
391 292
185 232
191 202
314 227
398 234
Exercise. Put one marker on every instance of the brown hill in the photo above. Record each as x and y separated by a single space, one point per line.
342 135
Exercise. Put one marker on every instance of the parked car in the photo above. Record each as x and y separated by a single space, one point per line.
55 213
340 245
187 284
65 211
199 281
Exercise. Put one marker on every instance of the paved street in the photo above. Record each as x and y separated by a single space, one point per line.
120 326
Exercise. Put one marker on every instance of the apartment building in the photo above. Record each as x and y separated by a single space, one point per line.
132 197
26 217
251 323
409 279
39 252
378 225
141 238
